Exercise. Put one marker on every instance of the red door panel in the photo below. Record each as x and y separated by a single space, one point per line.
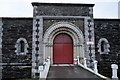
68 53
63 49
59 39
58 50
67 39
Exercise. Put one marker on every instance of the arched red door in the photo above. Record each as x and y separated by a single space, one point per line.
63 49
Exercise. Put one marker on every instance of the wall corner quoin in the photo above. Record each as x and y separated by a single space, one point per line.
37 49
90 37
1 21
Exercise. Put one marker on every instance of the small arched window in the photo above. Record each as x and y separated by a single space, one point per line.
21 46
103 46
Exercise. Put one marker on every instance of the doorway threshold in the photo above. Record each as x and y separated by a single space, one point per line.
62 65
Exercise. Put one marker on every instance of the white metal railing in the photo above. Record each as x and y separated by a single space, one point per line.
84 65
43 70
95 71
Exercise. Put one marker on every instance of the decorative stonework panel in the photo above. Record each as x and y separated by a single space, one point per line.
78 22
37 52
89 39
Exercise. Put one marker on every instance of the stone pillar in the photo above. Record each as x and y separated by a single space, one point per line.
41 49
95 66
89 40
114 71
33 49
1 29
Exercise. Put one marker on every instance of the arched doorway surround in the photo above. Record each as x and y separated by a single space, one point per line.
67 28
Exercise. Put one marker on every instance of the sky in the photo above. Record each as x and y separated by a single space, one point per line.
23 8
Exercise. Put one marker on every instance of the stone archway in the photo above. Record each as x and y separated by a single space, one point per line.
67 28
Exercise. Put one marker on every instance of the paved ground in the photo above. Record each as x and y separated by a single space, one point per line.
70 72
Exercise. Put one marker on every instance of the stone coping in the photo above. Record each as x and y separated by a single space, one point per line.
62 4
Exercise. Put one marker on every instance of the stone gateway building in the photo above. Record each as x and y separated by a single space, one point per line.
61 32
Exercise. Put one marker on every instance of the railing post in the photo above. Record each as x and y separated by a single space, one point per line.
40 70
95 66
85 62
75 61
78 61
114 71
44 69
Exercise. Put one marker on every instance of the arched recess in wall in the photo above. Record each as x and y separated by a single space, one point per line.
67 28
21 46
103 46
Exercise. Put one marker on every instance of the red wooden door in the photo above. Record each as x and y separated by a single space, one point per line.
63 49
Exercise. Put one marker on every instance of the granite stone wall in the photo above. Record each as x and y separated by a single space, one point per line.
65 9
16 66
1 29
49 22
109 29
